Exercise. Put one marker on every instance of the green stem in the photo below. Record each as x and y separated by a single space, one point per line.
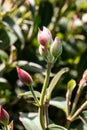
68 123
43 92
76 100
68 97
46 114
35 98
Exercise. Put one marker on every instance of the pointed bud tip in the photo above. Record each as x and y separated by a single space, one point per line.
24 76
4 116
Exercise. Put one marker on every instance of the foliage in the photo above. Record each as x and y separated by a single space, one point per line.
19 23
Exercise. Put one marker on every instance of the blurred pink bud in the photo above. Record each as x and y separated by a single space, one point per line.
85 75
27 2
24 76
42 50
4 116
84 18
56 47
44 37
75 16
82 82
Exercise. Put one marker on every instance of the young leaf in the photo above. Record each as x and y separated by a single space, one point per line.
55 81
59 102
29 94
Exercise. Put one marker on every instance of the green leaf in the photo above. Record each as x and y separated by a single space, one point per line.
2 67
7 38
4 39
59 102
55 81
16 28
3 56
55 127
29 94
29 66
30 121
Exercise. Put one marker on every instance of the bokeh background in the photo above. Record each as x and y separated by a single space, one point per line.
19 23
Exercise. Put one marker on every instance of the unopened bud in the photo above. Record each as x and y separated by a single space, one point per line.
56 47
85 75
82 82
4 116
24 76
42 50
44 36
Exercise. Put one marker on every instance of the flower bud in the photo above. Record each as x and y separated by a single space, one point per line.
82 82
44 37
4 116
56 47
24 76
42 50
85 75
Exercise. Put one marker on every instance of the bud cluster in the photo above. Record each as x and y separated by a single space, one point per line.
50 49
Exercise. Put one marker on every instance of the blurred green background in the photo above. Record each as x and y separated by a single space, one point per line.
19 23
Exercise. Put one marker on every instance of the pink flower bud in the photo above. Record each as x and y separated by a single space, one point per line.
42 50
56 47
24 76
4 116
44 37
85 75
82 82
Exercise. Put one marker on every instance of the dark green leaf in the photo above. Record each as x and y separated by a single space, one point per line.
16 28
59 102
29 66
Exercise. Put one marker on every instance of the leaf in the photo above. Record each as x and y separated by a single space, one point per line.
55 127
83 118
4 39
59 102
29 66
16 28
55 81
7 38
82 125
30 121
3 56
29 94
2 67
